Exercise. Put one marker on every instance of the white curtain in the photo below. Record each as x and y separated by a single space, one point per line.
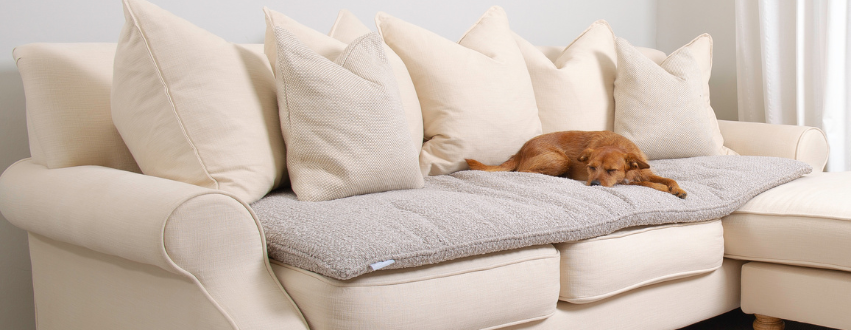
793 62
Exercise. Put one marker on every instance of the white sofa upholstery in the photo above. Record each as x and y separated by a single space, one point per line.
112 248
798 237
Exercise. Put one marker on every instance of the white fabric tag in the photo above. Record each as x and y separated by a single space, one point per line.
382 264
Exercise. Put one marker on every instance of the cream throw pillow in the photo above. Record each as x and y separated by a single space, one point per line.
665 108
574 91
193 107
346 29
343 121
476 95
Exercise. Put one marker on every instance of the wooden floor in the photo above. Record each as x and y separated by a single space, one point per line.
737 320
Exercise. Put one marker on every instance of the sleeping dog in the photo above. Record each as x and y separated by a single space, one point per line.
599 158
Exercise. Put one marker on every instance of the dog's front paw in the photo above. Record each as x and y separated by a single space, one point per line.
677 191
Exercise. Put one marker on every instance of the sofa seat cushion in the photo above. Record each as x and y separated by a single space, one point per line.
806 222
481 292
602 267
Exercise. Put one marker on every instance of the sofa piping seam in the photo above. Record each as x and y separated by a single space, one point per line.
801 215
649 228
790 262
185 272
168 94
656 280
532 319
263 249
331 281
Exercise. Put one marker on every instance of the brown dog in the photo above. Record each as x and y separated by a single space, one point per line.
599 158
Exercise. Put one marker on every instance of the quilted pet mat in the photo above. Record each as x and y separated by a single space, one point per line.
472 212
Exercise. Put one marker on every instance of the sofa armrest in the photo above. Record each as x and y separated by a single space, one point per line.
204 235
807 144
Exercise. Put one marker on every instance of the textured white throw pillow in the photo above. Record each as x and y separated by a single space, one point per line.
193 107
574 91
346 29
665 108
476 95
342 121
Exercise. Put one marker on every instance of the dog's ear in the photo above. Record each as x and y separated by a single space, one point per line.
635 162
583 157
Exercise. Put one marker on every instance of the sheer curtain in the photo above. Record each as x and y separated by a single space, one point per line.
793 62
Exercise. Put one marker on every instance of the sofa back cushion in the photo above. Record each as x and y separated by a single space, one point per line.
574 85
67 93
665 108
346 29
342 119
574 91
195 108
476 95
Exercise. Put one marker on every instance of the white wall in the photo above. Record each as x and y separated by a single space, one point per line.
680 21
555 22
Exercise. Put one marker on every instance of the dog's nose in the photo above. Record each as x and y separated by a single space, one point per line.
595 183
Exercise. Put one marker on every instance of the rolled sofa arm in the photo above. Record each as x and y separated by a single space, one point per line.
206 235
807 144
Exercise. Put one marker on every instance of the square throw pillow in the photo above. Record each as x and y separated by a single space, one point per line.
346 29
476 95
195 108
664 108
343 122
574 90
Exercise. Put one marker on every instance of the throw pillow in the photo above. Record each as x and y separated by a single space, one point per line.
476 95
342 121
195 108
574 90
664 108
346 29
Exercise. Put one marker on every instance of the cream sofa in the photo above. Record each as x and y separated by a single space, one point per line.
113 248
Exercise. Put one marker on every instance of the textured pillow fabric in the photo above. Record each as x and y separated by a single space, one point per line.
662 107
574 90
476 95
346 29
193 107
342 121
701 49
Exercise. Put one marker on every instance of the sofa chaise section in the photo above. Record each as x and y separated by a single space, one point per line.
798 236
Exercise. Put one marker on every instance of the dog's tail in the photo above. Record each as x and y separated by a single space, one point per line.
509 165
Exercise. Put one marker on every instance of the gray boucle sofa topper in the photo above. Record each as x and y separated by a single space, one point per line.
472 212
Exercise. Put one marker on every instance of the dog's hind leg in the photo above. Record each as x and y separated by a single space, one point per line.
553 163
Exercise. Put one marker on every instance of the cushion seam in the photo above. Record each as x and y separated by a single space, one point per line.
593 25
338 283
810 216
532 319
791 262
168 94
655 280
644 230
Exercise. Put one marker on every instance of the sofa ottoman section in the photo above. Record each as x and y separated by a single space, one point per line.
481 292
804 294
806 222
605 266
799 234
